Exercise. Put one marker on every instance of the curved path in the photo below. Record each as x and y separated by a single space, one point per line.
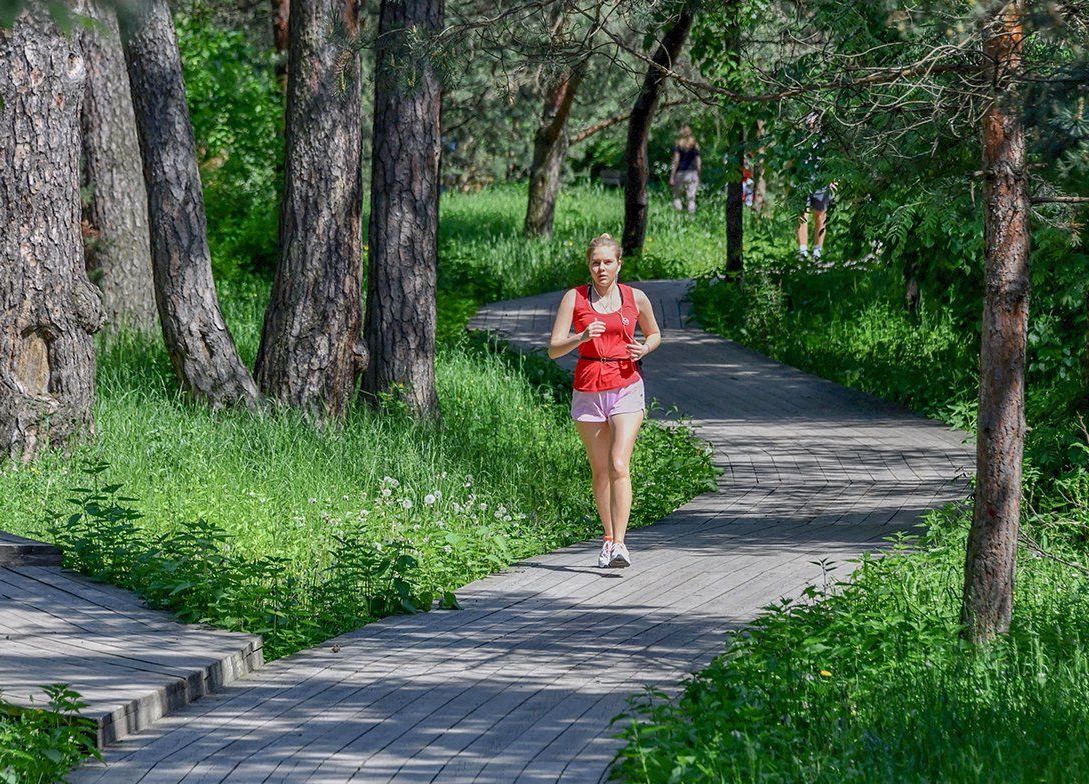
520 684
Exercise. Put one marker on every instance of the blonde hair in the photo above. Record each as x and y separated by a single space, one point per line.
602 241
685 139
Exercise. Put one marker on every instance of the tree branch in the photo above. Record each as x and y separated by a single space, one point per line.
1060 199
609 122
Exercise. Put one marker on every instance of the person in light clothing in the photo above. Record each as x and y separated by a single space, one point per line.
608 400
685 173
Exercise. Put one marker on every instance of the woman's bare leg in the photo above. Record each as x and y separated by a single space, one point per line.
597 438
625 428
819 225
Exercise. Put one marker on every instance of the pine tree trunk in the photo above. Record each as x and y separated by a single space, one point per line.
735 230
115 216
735 216
312 345
50 309
992 539
403 235
200 345
549 150
642 115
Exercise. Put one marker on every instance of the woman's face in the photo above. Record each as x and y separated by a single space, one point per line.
604 265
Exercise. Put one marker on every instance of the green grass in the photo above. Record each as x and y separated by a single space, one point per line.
483 252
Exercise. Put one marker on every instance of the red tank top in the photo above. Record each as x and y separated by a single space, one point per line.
618 370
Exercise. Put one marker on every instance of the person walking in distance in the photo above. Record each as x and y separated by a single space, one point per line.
685 173
608 401
820 192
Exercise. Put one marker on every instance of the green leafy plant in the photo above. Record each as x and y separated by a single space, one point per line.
40 745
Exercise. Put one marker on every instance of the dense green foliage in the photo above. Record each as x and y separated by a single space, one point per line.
40 745
236 108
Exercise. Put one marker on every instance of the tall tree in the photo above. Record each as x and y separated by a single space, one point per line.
50 309
549 148
992 539
403 236
200 345
117 247
735 214
642 115
312 348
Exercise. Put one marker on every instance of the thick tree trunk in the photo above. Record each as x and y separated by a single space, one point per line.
312 345
735 233
735 216
200 345
49 308
642 115
992 540
115 214
403 236
549 150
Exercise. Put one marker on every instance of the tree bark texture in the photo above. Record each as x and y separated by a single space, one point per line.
312 348
200 345
735 230
642 115
50 309
735 214
116 243
549 150
400 315
992 539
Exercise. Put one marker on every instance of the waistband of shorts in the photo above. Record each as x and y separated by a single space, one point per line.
606 359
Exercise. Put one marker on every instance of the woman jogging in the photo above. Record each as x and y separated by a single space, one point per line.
608 401
684 175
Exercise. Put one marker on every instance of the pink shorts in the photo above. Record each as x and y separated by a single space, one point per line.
599 406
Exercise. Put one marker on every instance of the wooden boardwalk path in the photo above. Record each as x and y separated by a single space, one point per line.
131 665
520 685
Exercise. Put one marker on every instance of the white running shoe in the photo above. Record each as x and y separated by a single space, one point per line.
620 558
606 554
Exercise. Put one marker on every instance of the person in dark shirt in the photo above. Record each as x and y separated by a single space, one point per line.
685 174
820 192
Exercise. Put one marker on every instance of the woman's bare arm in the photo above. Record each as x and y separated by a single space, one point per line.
652 334
562 341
